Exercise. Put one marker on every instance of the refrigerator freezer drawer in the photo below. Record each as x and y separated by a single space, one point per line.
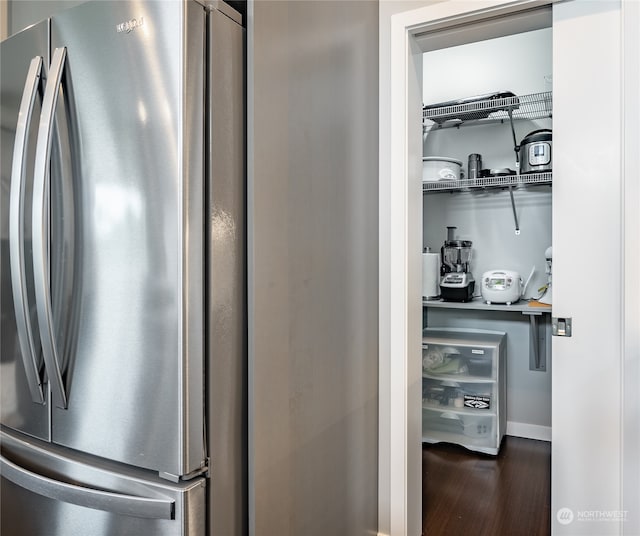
54 492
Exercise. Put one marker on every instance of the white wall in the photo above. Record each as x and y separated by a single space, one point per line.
519 63
486 217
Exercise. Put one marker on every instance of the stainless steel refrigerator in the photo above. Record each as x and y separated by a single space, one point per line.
123 271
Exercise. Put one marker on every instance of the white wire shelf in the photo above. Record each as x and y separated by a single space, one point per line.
488 110
502 181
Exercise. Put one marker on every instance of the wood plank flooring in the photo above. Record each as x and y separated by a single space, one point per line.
465 493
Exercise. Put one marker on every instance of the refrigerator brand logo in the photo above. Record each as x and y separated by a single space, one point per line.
130 25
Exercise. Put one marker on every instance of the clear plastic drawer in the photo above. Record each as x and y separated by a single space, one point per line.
450 360
448 352
459 395
462 428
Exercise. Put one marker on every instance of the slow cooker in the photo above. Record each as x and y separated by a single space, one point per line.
535 152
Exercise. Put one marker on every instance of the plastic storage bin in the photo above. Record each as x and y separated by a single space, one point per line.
463 388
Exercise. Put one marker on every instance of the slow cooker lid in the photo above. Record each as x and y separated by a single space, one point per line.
543 134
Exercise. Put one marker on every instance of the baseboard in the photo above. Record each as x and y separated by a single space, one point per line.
383 534
529 431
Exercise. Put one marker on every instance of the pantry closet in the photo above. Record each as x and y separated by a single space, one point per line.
586 195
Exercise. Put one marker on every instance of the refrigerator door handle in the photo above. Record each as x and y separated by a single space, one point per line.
16 232
130 505
40 215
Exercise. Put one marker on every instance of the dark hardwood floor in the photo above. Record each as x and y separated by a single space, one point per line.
465 493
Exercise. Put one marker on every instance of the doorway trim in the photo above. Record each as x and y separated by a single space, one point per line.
400 210
631 268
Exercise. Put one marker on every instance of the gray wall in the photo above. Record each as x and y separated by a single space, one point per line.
23 13
313 281
4 20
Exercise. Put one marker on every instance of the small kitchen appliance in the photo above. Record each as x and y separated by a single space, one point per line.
546 297
457 282
501 286
535 152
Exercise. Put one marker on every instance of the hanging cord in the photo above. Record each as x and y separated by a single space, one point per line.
516 148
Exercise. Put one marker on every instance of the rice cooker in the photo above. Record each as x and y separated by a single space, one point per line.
501 286
535 152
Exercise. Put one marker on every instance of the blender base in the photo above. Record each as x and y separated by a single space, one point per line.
459 294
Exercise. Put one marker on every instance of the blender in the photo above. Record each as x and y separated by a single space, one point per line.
457 282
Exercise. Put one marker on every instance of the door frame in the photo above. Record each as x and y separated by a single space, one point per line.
400 305
631 268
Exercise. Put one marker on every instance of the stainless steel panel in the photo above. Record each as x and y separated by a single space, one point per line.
226 288
76 494
23 14
16 405
313 267
133 83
